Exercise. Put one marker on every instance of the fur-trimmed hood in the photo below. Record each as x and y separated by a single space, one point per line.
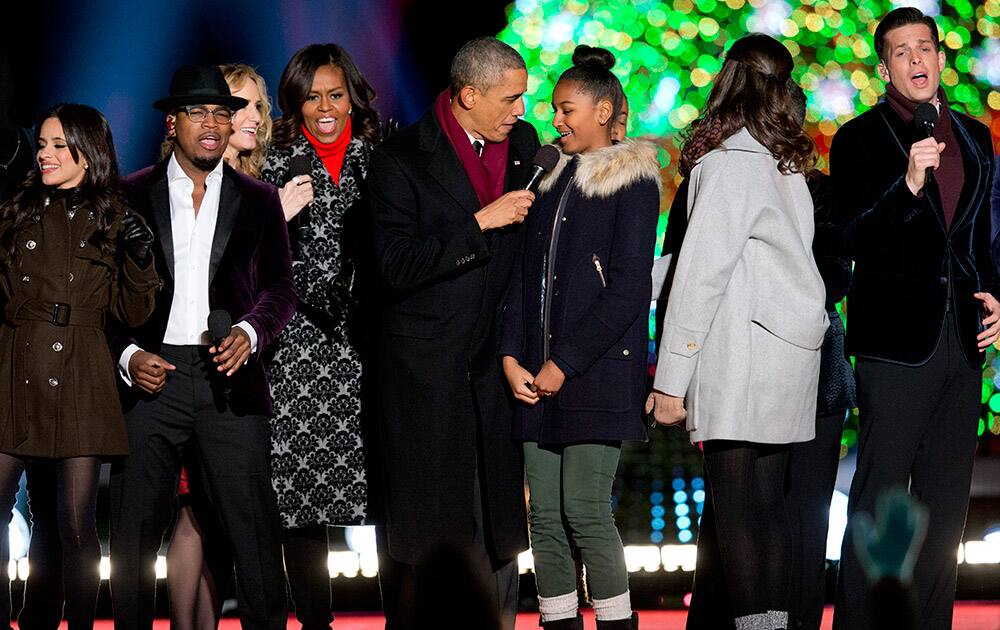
604 172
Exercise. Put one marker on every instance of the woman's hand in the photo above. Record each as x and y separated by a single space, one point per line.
549 380
295 195
667 410
519 380
137 239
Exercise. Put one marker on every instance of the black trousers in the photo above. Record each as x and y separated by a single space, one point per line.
454 588
306 550
233 453
812 476
918 430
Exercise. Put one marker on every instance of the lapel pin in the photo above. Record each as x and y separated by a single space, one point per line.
517 162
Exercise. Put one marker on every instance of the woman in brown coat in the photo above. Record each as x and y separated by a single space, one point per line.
71 257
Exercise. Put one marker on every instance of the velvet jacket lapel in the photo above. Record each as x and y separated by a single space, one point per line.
229 209
159 202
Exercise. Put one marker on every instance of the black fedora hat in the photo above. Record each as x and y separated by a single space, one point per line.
199 85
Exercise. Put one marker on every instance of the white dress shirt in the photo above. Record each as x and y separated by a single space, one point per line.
193 234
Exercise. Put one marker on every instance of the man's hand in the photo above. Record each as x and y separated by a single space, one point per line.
511 208
519 380
149 371
295 195
233 351
991 324
549 380
667 410
923 155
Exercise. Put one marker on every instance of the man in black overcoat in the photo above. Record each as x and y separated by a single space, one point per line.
447 214
921 309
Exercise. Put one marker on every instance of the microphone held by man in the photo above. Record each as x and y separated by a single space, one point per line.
512 208
230 343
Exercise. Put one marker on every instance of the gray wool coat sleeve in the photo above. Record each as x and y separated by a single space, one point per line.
745 316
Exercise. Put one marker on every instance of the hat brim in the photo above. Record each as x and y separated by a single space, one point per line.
172 103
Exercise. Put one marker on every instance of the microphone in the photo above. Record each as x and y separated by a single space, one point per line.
301 165
220 323
545 160
925 117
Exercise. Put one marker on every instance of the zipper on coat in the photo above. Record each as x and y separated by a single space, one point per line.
600 271
551 268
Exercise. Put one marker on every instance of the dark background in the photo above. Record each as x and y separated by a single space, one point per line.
119 56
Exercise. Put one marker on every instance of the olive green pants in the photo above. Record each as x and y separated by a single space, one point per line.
570 490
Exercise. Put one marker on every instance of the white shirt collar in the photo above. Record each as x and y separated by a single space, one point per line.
175 172
473 139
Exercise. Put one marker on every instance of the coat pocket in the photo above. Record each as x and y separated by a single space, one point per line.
599 268
789 326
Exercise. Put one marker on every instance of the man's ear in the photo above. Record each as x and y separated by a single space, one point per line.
883 72
171 125
467 97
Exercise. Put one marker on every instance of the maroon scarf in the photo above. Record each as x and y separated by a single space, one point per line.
950 175
487 173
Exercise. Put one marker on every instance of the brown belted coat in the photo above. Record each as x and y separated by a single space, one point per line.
58 396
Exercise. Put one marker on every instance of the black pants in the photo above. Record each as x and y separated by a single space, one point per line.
743 555
812 476
306 550
467 588
918 430
233 454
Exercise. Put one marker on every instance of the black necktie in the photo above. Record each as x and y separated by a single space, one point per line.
477 146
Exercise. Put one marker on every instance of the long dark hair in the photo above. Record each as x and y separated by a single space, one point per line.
87 134
296 82
752 91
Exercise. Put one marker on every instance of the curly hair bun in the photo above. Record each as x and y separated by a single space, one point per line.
593 57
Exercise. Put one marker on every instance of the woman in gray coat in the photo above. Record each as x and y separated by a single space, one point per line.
739 357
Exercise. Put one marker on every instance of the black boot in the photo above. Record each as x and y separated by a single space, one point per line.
573 623
632 623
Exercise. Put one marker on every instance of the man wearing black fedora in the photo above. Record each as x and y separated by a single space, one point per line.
221 246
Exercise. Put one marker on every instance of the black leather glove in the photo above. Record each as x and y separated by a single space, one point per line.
136 239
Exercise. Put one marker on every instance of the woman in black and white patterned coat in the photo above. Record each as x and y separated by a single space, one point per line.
324 137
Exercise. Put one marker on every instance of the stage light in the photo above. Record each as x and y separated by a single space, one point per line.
642 557
838 525
680 496
982 552
685 536
678 557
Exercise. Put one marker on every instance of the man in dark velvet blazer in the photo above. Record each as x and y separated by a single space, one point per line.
920 309
446 236
221 245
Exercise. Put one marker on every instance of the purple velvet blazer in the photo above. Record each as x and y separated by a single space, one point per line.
250 272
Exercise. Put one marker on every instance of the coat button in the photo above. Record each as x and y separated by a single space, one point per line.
58 347
692 345
90 216
943 280
83 244
31 244
25 278
53 382
37 218
564 219
71 276
626 352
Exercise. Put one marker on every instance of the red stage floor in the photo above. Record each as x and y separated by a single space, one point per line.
968 616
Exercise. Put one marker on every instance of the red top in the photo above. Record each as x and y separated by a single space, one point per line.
331 153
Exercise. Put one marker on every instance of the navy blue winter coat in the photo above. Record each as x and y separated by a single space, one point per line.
580 295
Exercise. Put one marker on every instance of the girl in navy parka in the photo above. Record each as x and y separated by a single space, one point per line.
575 338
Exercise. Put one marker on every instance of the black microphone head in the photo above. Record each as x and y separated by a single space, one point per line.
220 322
925 115
299 165
546 158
